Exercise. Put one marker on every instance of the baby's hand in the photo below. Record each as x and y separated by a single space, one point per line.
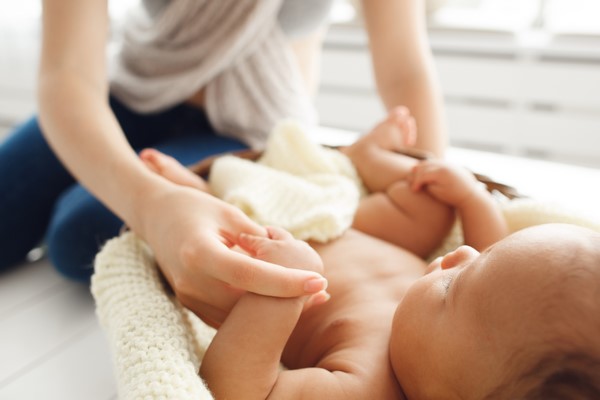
448 183
171 169
281 248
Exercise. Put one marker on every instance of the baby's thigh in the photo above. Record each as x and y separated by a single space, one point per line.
412 220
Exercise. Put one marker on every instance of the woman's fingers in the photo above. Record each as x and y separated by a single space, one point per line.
253 275
316 299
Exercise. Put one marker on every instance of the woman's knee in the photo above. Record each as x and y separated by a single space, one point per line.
79 227
31 180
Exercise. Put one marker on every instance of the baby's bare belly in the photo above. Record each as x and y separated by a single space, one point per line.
358 259
367 279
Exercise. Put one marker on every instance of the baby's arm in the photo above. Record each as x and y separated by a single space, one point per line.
482 221
243 359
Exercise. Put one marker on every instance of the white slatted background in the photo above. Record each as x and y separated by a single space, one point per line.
500 94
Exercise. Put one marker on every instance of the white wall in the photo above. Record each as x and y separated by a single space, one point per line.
506 93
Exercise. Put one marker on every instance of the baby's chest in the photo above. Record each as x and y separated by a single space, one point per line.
334 330
363 356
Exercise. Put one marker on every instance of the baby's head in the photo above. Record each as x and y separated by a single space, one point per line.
520 320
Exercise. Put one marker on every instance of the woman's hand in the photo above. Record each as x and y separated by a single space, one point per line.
192 233
281 248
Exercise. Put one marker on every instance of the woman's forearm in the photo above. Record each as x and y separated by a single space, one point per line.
73 107
423 98
81 129
403 66
244 357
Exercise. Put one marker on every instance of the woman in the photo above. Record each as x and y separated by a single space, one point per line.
186 70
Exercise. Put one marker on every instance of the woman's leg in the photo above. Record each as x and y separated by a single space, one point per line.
81 224
31 179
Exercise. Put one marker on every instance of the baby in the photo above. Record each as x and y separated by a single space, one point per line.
519 320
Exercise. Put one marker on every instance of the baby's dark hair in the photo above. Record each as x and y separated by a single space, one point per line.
559 375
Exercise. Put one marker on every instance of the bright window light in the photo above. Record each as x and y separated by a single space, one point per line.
573 16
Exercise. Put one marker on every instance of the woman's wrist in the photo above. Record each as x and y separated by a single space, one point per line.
147 188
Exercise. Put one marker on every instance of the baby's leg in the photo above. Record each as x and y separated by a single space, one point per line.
374 154
412 220
169 168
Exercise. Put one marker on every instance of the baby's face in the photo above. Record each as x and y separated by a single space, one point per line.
455 330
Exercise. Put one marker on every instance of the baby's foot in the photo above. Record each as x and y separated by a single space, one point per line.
396 132
169 168
377 155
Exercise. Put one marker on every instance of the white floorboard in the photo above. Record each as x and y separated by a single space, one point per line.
78 371
23 285
51 346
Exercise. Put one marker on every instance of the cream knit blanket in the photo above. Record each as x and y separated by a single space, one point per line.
156 344
307 189
234 49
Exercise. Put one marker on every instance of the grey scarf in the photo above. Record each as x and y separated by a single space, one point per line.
234 49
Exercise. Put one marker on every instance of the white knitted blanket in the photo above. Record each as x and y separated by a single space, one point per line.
307 189
234 49
156 344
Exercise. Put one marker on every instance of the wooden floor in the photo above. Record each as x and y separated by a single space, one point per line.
51 346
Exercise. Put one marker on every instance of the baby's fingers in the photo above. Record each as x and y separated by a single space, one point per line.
423 174
276 233
252 243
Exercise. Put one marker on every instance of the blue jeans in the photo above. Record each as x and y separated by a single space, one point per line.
40 200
